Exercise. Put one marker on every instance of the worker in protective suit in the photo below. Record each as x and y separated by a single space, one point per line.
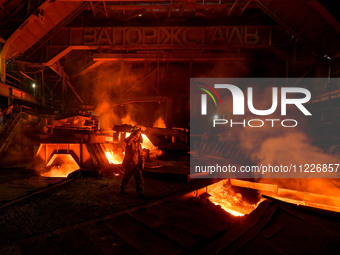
133 162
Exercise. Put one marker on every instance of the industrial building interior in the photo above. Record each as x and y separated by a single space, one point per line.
76 76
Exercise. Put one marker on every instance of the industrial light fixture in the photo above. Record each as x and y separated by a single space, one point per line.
327 57
33 85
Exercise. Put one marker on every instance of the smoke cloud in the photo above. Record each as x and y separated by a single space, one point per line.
118 94
281 145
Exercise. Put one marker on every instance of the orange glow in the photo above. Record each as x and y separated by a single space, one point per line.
230 201
147 144
127 120
113 158
61 166
159 123
117 157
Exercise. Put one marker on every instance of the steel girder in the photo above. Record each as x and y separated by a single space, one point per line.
44 21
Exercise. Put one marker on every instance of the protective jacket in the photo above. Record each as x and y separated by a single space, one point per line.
133 153
133 163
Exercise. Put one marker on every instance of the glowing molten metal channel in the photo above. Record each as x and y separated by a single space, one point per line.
230 201
113 158
61 165
147 144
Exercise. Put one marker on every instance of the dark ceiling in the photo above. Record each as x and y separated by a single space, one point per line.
40 39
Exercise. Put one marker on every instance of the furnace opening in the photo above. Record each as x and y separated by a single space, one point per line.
60 165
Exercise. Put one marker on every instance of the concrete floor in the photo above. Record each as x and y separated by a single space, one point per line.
31 205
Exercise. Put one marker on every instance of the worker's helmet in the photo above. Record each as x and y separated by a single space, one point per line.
135 129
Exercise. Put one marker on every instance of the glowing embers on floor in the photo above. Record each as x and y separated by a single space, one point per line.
233 200
60 165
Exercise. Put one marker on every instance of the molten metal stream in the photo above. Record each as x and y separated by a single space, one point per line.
113 158
230 201
61 166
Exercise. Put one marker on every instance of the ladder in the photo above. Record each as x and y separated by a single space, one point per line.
9 129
